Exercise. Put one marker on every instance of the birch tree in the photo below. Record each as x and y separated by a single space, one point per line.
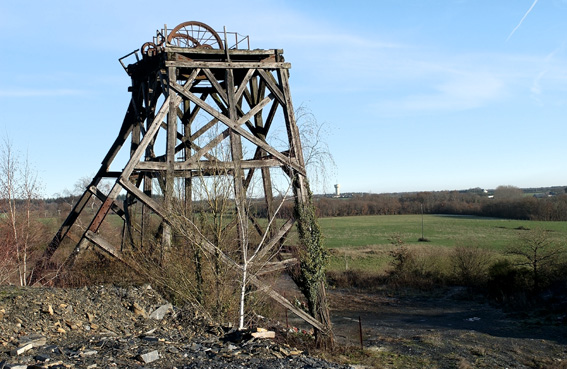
19 187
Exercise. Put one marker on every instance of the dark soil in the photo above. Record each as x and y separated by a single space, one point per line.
447 330
109 326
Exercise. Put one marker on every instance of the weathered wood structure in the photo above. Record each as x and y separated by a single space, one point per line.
192 93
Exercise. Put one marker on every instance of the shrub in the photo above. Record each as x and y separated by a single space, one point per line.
354 278
470 265
416 269
508 284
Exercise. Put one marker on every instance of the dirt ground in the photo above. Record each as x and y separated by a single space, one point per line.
448 330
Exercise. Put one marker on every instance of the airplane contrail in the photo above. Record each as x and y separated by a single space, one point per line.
522 20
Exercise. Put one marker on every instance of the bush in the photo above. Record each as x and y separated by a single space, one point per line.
416 269
470 266
354 278
508 284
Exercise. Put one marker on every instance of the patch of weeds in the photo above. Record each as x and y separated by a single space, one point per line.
7 292
478 351
434 339
353 355
463 363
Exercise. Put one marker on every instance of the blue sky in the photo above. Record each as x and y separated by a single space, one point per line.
417 95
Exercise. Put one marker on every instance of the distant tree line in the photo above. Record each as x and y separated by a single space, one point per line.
505 202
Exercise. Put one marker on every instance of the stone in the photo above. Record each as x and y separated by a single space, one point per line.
266 334
90 317
16 366
35 340
48 309
88 353
138 310
42 358
160 312
20 350
149 357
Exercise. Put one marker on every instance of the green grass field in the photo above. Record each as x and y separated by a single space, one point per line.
363 242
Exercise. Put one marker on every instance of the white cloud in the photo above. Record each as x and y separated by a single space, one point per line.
458 91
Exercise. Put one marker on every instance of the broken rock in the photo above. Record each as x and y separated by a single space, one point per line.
149 357
161 312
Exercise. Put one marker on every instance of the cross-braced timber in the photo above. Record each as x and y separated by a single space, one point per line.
181 78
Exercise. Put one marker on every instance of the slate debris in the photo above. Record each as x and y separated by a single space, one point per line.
126 327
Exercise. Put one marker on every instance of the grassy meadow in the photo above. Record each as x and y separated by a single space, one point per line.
364 242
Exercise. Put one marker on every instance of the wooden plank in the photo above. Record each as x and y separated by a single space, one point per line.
289 114
105 245
234 52
228 65
208 147
273 86
236 126
220 90
203 129
127 126
64 229
236 153
276 266
270 117
103 210
148 137
151 166
275 239
148 201
244 82
252 112
213 250
116 208
283 301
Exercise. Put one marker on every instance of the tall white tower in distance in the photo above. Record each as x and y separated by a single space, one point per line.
337 190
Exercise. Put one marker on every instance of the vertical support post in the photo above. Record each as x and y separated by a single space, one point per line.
236 153
170 159
302 193
257 95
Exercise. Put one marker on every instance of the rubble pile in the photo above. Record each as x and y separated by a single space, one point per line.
126 327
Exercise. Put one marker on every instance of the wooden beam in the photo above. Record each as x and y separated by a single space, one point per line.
150 134
283 301
276 266
213 250
236 127
140 195
275 239
228 65
220 90
105 245
183 51
151 166
273 86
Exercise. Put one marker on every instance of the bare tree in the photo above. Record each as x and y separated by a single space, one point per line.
537 251
319 160
19 187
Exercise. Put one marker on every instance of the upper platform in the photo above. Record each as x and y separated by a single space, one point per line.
196 45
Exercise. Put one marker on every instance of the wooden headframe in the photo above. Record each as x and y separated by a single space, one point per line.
186 102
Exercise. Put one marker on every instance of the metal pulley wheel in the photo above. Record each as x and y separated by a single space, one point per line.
195 35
